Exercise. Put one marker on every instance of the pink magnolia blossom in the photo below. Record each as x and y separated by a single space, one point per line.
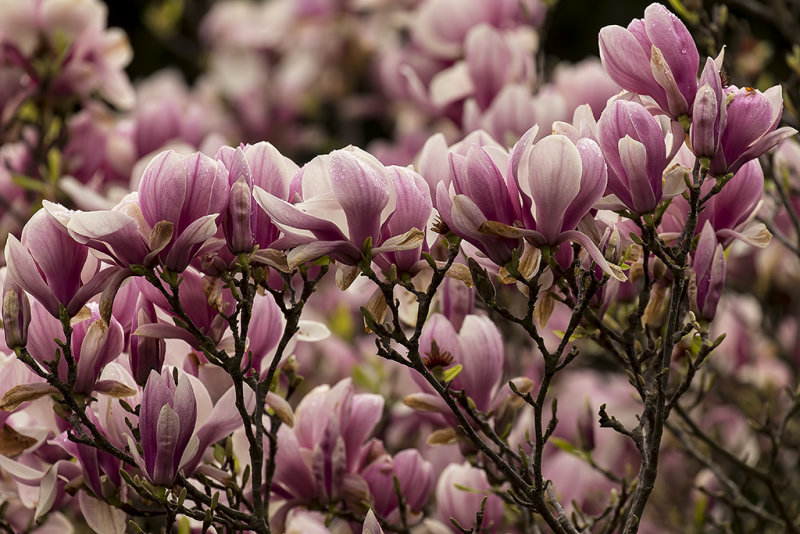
463 504
635 148
708 264
655 56
322 457
344 198
477 346
47 263
190 192
166 424
95 344
750 129
559 181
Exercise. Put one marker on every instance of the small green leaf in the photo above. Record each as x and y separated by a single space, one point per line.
219 453
452 372
564 445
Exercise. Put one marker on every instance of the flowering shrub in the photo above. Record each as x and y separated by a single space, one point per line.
565 304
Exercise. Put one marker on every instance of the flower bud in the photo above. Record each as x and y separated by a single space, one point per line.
146 353
16 315
238 232
709 269
705 132
709 113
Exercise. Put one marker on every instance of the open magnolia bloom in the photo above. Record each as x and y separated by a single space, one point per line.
345 197
561 181
173 217
47 263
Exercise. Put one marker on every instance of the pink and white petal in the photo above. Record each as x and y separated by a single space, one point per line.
24 271
433 164
363 189
47 492
90 289
223 420
371 525
135 453
291 218
113 228
482 356
185 246
167 429
662 73
366 411
272 171
185 406
594 177
165 331
626 62
410 240
676 44
101 517
312 331
20 472
755 235
162 190
451 85
466 217
554 177
634 157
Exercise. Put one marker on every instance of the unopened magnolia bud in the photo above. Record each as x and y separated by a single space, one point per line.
146 353
16 315
238 230
705 132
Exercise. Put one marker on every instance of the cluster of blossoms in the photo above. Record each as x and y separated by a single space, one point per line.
177 356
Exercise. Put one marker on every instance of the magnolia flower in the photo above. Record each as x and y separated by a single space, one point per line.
90 56
493 59
345 197
412 211
709 113
559 181
655 56
635 149
248 166
95 344
414 476
730 212
319 458
171 438
476 190
48 264
708 264
459 493
166 424
190 193
173 217
752 117
477 346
